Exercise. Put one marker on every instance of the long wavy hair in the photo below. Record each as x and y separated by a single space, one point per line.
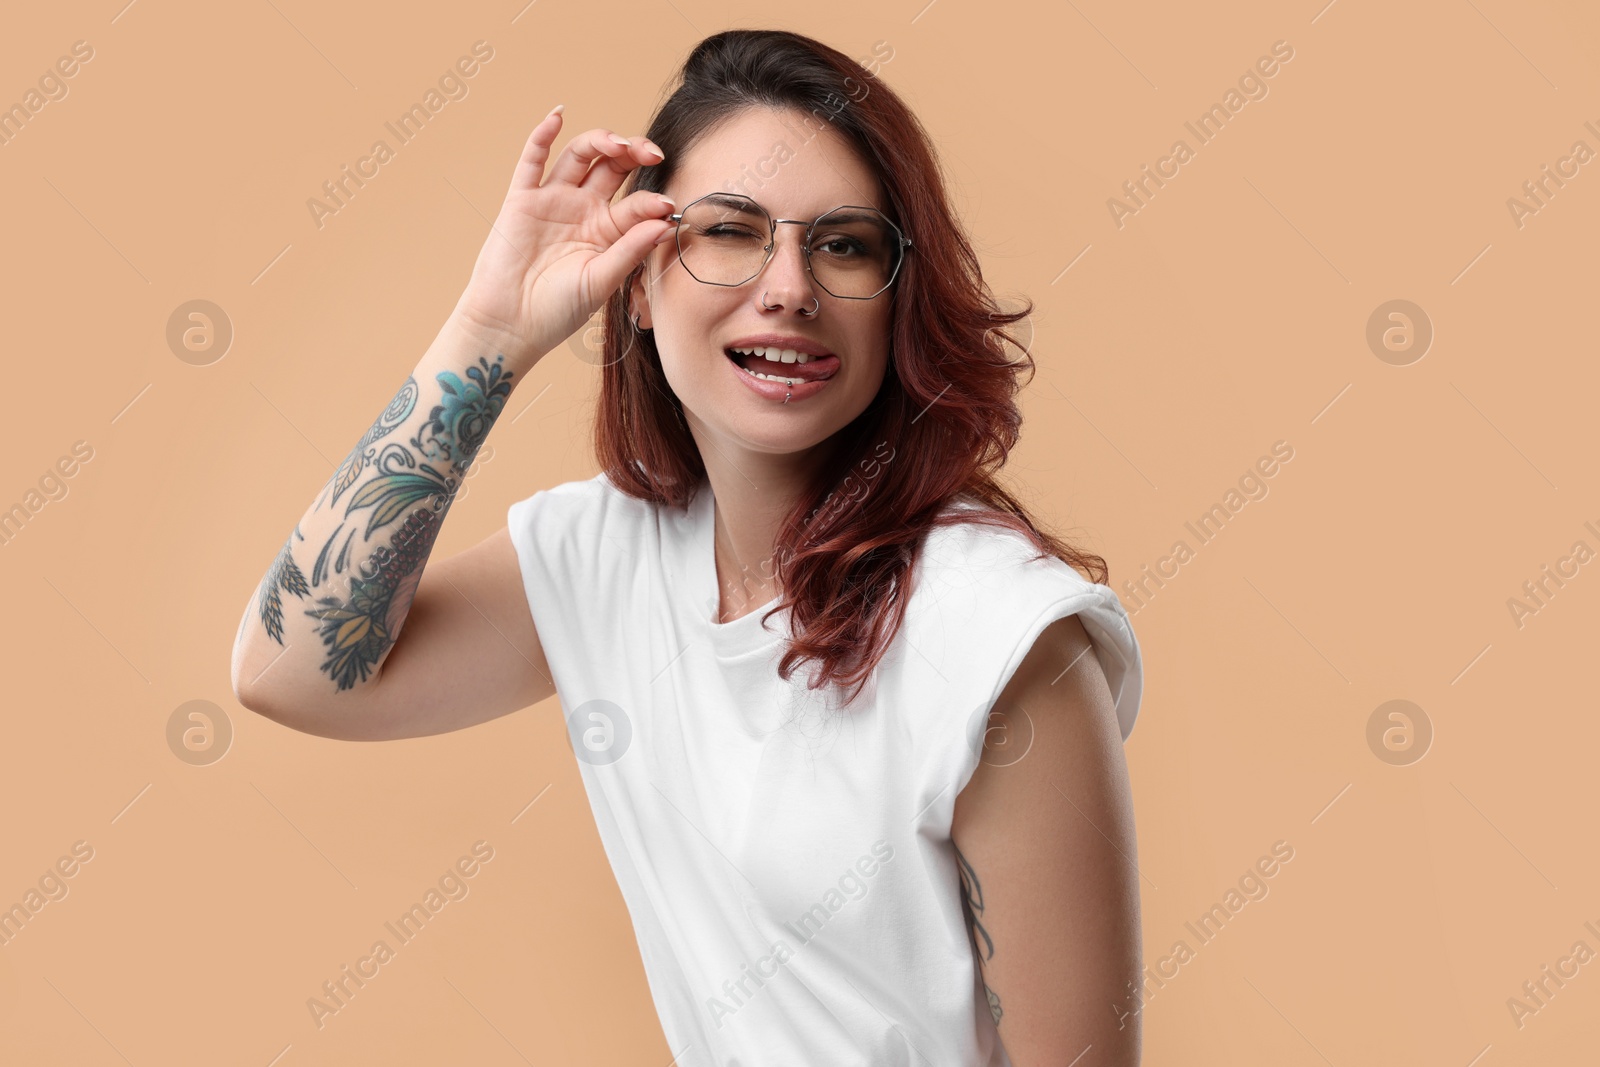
947 409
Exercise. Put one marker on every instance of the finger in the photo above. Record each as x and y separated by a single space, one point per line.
606 176
638 206
573 163
530 168
611 267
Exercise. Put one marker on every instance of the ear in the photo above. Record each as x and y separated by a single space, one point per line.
639 298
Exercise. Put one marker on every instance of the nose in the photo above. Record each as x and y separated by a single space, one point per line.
786 281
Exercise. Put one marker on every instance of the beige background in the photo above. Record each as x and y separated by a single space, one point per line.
1228 313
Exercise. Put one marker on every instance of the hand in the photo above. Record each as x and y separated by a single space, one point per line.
558 250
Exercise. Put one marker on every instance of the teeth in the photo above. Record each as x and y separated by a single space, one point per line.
776 355
772 377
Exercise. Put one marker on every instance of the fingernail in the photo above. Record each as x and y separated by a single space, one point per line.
617 137
651 146
668 199
558 109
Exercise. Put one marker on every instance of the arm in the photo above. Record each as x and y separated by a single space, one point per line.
1047 852
323 628
320 646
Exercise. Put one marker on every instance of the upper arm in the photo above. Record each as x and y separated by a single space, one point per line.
467 652
1045 837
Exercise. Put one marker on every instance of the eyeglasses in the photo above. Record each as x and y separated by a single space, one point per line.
852 252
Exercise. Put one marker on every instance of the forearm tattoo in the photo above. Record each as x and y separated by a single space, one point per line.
972 910
406 482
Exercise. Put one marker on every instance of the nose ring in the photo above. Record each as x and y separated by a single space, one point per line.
802 311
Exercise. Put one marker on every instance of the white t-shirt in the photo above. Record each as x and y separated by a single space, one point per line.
787 866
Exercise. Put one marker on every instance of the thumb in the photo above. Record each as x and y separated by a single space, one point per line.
612 267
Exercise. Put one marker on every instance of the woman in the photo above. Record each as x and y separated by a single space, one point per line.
791 608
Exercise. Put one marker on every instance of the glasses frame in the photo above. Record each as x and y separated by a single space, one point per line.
772 243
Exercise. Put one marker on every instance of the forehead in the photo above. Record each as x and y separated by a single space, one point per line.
791 163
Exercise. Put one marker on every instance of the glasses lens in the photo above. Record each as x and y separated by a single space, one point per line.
854 251
722 239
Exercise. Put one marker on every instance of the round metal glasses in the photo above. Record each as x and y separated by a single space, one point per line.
852 252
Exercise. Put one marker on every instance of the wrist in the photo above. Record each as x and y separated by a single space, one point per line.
489 337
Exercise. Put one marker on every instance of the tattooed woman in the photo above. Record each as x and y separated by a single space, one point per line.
849 721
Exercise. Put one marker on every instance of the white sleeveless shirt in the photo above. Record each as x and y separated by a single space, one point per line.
787 866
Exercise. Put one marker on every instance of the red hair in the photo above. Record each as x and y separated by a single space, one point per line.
947 406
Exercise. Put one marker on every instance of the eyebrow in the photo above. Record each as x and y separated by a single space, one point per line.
742 204
732 202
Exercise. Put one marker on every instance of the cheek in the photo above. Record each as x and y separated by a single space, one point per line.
873 372
688 306
877 325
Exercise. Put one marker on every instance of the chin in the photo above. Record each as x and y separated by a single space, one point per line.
750 424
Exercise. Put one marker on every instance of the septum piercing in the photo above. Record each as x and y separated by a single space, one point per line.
801 311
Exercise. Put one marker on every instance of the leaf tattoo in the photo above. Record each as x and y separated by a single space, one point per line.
971 907
358 629
284 574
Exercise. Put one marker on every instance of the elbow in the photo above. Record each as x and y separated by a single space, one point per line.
272 705
308 717
267 701
252 696
296 718
237 680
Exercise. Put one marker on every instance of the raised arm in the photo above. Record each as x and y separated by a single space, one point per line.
321 629
320 646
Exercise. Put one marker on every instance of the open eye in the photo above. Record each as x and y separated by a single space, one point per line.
840 246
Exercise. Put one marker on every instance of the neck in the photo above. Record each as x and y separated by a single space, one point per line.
754 493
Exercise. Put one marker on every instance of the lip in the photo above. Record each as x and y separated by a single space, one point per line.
778 392
820 365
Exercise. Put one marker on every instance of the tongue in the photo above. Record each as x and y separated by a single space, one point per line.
820 367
